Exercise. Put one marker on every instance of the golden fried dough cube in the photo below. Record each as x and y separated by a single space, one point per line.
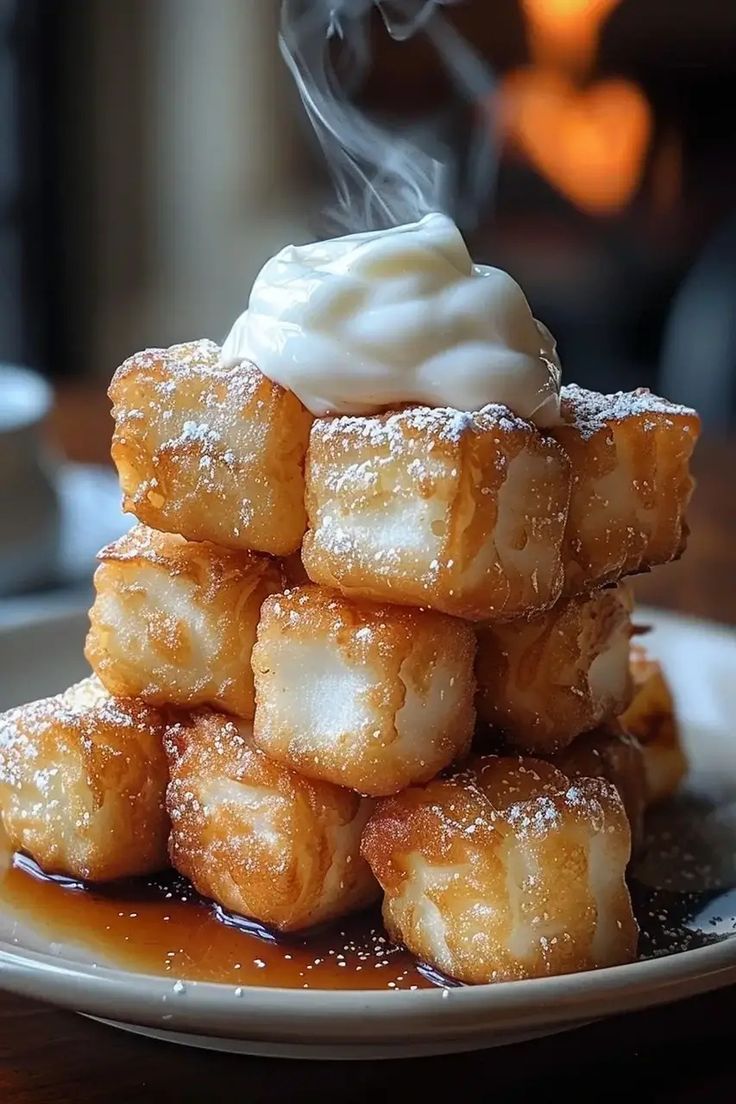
174 621
652 720
507 870
631 483
543 681
368 696
258 838
463 513
82 784
212 453
612 753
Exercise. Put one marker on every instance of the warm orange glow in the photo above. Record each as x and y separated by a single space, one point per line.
589 143
565 32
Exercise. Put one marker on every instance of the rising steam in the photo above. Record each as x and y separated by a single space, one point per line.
384 178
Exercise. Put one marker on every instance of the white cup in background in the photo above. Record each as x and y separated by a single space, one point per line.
29 508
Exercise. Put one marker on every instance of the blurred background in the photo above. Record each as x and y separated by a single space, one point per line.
153 153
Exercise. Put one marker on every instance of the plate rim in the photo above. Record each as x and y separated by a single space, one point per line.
210 1008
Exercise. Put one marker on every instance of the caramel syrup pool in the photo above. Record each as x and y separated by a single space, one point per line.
161 926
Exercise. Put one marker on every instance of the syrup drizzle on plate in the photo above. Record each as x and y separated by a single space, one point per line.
160 925
683 891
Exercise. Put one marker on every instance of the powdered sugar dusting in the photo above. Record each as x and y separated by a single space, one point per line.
142 543
441 424
591 411
530 796
215 453
80 715
182 399
85 699
189 360
176 556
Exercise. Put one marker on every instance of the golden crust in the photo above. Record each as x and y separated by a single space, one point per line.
258 838
612 753
543 681
631 483
507 870
82 783
463 513
214 454
373 697
174 621
652 720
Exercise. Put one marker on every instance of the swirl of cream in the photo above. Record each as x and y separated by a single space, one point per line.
367 322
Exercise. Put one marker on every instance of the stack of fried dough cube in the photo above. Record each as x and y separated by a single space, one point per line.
343 657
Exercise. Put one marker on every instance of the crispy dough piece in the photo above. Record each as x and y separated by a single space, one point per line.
174 621
463 513
612 753
631 483
214 454
543 681
82 783
373 697
652 720
507 870
258 838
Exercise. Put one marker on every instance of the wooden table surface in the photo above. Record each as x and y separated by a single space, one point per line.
685 1052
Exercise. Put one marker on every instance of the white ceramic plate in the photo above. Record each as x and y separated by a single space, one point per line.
40 654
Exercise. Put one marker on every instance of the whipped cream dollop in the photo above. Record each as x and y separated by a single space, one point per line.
366 322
